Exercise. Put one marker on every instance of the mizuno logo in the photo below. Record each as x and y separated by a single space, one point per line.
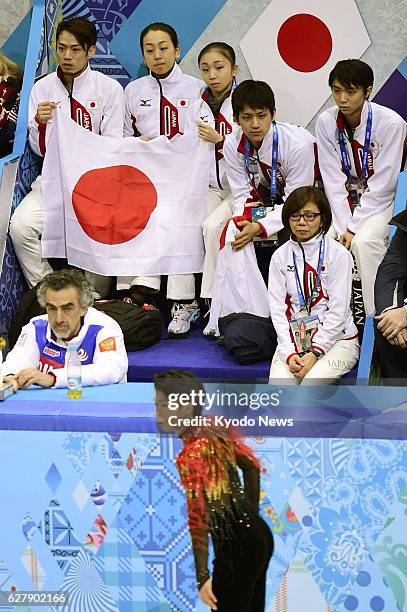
145 102
290 268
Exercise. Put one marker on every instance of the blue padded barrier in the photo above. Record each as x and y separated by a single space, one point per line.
366 351
12 284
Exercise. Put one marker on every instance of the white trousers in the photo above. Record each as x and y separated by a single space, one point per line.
220 203
25 231
369 246
179 286
339 360
182 286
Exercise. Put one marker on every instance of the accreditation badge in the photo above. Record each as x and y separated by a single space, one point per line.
302 329
259 212
356 188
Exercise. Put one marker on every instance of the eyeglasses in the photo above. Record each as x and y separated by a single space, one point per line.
308 216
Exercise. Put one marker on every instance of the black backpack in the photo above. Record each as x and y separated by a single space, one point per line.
141 327
248 337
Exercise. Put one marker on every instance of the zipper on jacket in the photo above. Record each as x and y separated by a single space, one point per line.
217 169
70 94
161 104
306 297
216 151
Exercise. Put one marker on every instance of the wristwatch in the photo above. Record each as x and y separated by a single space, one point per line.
316 353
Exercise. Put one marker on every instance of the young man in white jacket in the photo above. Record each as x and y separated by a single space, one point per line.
265 161
39 355
360 150
92 99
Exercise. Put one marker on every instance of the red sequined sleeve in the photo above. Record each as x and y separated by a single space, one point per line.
192 467
199 531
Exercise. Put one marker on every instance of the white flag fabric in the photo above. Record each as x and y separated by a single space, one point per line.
300 43
238 284
120 207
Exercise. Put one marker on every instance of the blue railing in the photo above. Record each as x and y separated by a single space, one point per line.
366 350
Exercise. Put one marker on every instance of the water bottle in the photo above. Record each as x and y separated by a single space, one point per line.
74 375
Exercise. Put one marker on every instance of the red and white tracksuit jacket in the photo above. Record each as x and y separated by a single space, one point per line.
96 102
332 305
224 124
157 107
383 168
296 167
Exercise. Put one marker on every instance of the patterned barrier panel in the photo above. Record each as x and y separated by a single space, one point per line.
103 517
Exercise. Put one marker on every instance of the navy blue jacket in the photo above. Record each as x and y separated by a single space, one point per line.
391 279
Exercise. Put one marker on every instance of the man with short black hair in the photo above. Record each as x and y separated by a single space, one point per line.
92 99
39 355
360 150
265 160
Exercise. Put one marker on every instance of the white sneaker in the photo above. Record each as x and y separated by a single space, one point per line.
182 317
210 332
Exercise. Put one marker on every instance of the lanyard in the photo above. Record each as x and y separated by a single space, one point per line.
273 173
344 151
301 297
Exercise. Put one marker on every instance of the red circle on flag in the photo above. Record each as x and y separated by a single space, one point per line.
304 42
113 204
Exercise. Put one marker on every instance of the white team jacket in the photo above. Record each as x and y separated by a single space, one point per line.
332 305
159 106
96 103
296 167
384 163
225 124
109 357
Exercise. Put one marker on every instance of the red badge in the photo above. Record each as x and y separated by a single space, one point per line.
107 345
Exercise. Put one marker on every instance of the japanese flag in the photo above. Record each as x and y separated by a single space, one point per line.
294 45
124 206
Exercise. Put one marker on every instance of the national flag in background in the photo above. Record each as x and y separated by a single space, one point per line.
124 206
294 45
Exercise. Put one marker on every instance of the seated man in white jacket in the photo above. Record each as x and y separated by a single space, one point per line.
94 101
310 281
265 161
39 355
360 149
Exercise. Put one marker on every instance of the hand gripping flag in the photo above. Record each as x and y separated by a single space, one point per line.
124 206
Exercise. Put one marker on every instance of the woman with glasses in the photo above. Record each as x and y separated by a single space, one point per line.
310 281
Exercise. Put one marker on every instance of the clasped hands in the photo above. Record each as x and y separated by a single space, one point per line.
393 325
300 366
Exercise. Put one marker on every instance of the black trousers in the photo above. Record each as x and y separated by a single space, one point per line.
393 361
243 588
